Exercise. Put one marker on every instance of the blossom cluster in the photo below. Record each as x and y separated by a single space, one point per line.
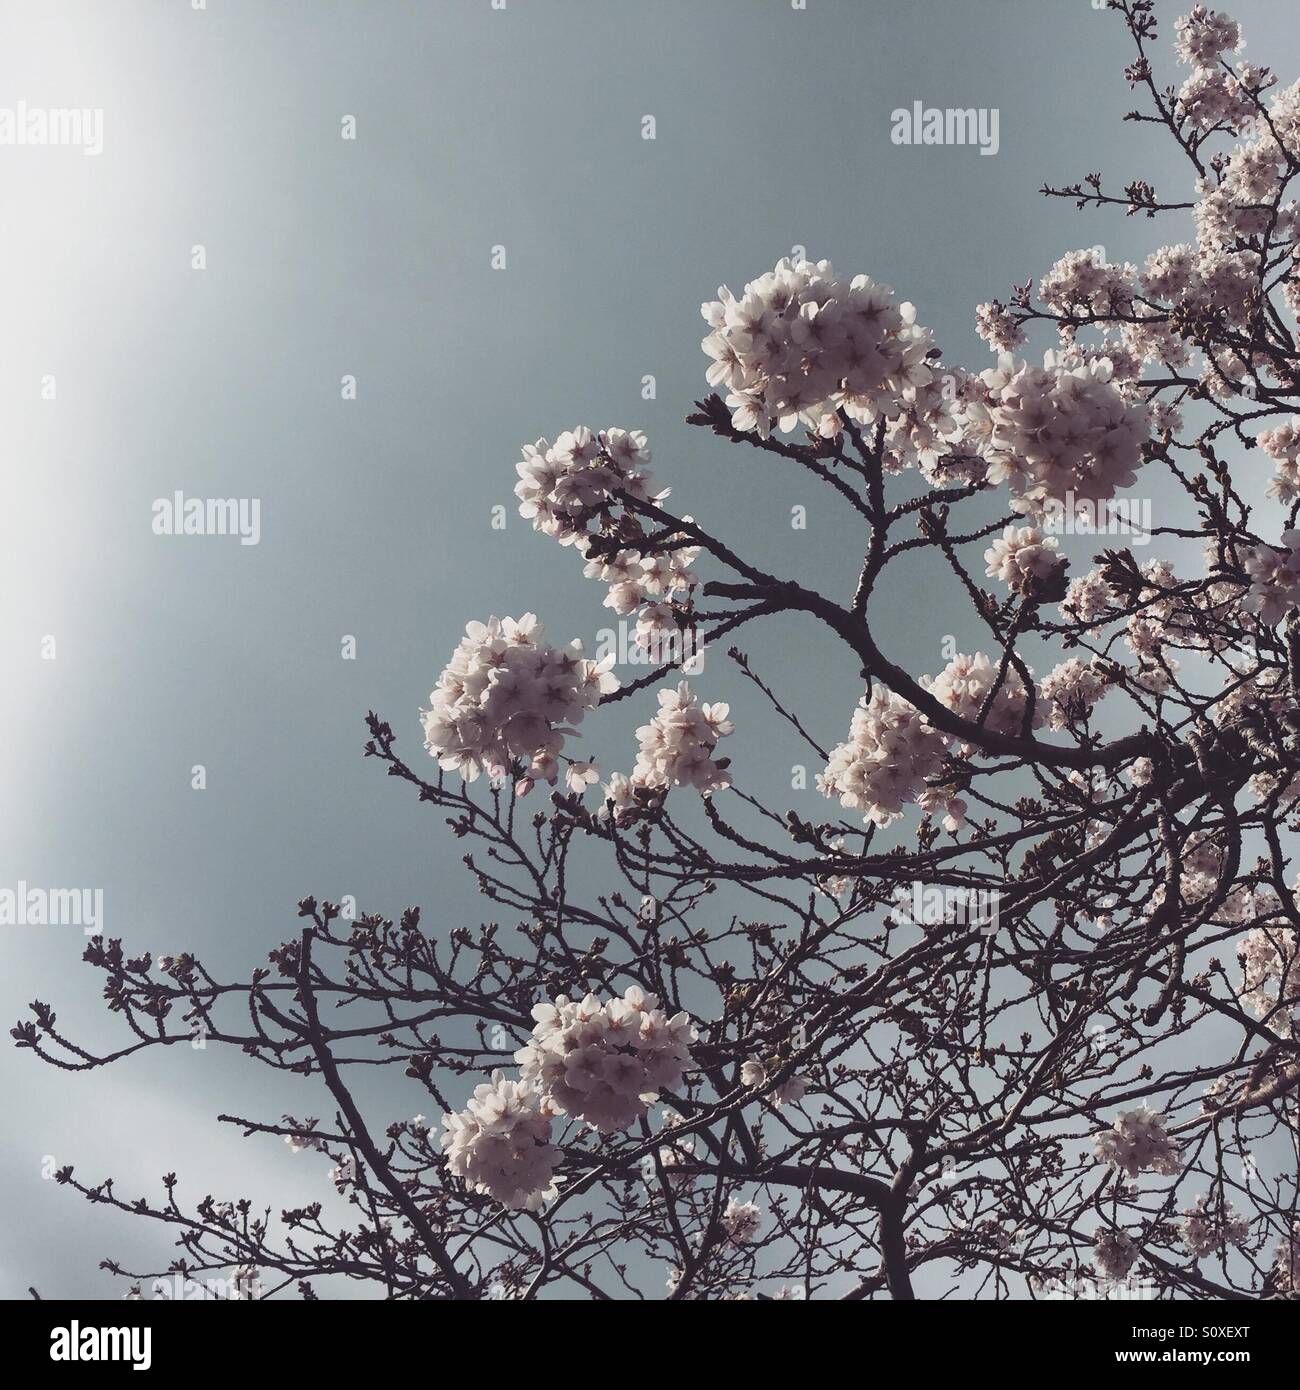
605 1063
1282 445
1137 1142
1274 573
789 1092
802 346
1199 880
802 343
1286 1263
1022 557
1082 280
742 1222
565 488
599 1063
1202 35
1213 95
1113 1253
886 761
501 1144
1088 598
678 744
1270 977
1061 431
572 490
1166 616
674 1160
968 683
1070 690
634 578
893 752
507 697
1205 1232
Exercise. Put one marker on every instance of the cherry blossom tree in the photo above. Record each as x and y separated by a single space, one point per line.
1016 1011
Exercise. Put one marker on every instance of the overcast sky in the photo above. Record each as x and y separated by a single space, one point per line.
371 258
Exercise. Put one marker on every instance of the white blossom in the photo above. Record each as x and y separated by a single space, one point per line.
677 746
1137 1142
605 1063
801 343
890 752
1070 691
1113 1253
1023 556
1270 982
742 1222
1274 578
1204 1232
508 697
501 1144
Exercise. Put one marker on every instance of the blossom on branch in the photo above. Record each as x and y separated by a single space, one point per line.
605 1063
501 1144
507 697
1137 1142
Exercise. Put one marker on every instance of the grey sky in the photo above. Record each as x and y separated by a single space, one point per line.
327 257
